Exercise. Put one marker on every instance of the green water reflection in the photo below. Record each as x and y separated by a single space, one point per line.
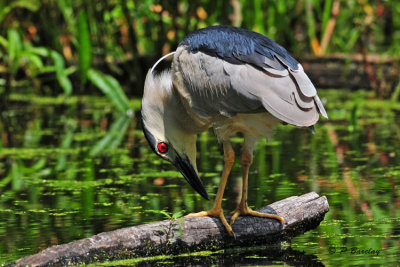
74 168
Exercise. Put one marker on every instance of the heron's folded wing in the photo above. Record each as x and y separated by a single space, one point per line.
280 95
214 86
201 80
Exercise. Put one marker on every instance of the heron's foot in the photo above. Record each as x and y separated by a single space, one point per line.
214 213
245 210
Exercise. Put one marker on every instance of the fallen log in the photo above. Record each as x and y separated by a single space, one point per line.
301 213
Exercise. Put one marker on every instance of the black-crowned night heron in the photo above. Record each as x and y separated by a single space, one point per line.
232 80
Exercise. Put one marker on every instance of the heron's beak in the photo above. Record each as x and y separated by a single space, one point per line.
184 165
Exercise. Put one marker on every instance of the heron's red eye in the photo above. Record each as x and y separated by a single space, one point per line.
162 147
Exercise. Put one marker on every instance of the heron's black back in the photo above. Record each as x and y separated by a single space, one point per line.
239 46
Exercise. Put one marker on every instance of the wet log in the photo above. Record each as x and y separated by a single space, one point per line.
301 213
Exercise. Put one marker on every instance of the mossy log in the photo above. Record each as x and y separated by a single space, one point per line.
301 213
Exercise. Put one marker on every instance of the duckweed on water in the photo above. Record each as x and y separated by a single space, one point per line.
54 192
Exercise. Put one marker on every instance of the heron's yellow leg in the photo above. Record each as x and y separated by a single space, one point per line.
216 210
242 208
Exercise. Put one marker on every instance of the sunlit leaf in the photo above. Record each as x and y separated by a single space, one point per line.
111 88
34 59
37 166
41 51
5 181
62 79
396 93
3 42
177 214
326 14
65 84
14 49
118 91
31 5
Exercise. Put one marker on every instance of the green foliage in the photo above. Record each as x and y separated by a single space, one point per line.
14 48
61 73
85 46
113 137
7 6
396 93
88 32
174 219
111 88
20 55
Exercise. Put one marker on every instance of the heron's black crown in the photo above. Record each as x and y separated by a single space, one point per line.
237 46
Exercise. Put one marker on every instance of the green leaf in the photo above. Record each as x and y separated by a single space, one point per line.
33 59
113 137
177 214
166 214
5 8
111 88
326 15
31 5
85 47
41 51
62 78
38 166
3 42
58 61
310 20
118 91
65 84
396 93
14 49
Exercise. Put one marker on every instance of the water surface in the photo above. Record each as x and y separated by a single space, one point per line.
71 168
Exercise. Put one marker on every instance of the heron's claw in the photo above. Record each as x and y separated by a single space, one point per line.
245 210
214 213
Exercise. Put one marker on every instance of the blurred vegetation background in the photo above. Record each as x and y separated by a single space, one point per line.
65 47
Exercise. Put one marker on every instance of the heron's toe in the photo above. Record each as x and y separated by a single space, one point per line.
245 210
214 213
197 214
234 216
266 215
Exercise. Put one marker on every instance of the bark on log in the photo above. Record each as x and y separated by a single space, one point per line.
301 214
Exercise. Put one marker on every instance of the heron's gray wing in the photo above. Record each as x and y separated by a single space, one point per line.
214 86
281 95
201 80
